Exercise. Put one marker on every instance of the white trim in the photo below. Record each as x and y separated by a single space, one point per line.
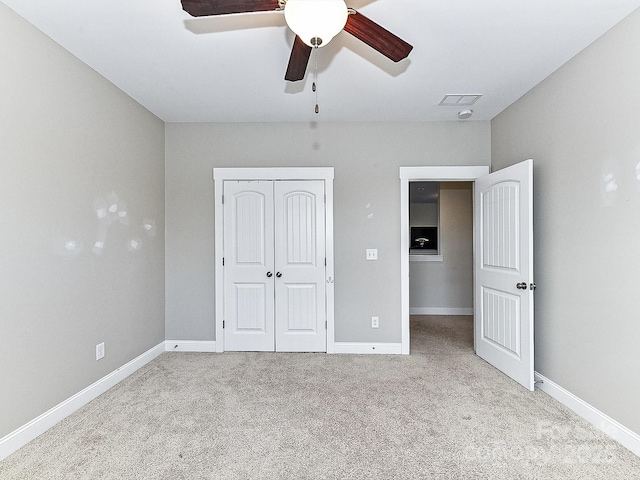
330 290
415 174
457 173
606 424
218 191
190 346
426 258
273 173
23 435
368 348
440 311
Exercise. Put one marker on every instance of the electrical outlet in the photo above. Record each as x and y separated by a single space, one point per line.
100 351
375 322
372 253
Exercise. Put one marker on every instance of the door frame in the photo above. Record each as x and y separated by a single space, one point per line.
220 175
423 174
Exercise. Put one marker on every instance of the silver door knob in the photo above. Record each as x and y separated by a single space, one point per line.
521 286
269 274
532 286
278 274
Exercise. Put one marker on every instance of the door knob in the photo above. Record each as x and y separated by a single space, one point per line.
532 286
278 274
269 274
521 286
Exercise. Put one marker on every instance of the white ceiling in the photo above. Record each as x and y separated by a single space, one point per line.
231 69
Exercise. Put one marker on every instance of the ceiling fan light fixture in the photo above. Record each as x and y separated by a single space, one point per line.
316 22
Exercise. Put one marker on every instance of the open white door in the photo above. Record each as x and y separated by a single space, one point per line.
503 312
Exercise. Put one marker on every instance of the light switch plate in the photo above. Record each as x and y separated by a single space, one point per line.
372 253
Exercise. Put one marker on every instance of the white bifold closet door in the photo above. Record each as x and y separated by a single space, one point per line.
274 266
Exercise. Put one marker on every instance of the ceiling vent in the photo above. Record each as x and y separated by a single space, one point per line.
459 100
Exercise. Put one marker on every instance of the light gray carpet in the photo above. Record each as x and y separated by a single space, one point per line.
439 413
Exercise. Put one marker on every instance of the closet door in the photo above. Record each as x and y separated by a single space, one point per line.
248 266
300 310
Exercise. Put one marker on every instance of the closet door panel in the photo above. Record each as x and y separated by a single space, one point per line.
248 266
300 314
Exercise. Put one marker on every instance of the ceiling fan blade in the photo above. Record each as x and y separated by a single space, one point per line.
298 60
203 8
378 38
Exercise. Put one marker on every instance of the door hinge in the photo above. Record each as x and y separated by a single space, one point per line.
325 262
222 323
325 198
223 199
325 324
223 261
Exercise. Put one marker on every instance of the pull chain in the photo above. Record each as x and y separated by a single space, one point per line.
314 86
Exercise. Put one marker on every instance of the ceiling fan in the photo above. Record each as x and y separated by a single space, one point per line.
315 23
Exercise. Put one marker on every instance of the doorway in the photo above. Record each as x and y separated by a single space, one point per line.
418 174
441 250
503 263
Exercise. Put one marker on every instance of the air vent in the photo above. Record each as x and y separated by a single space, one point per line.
459 100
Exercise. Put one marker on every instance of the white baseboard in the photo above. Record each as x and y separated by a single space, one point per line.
23 435
441 311
368 348
190 346
608 425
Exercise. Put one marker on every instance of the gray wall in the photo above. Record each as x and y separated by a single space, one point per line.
366 157
448 284
423 214
70 142
581 126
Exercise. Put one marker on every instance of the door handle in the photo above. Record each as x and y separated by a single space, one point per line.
279 274
269 274
521 286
